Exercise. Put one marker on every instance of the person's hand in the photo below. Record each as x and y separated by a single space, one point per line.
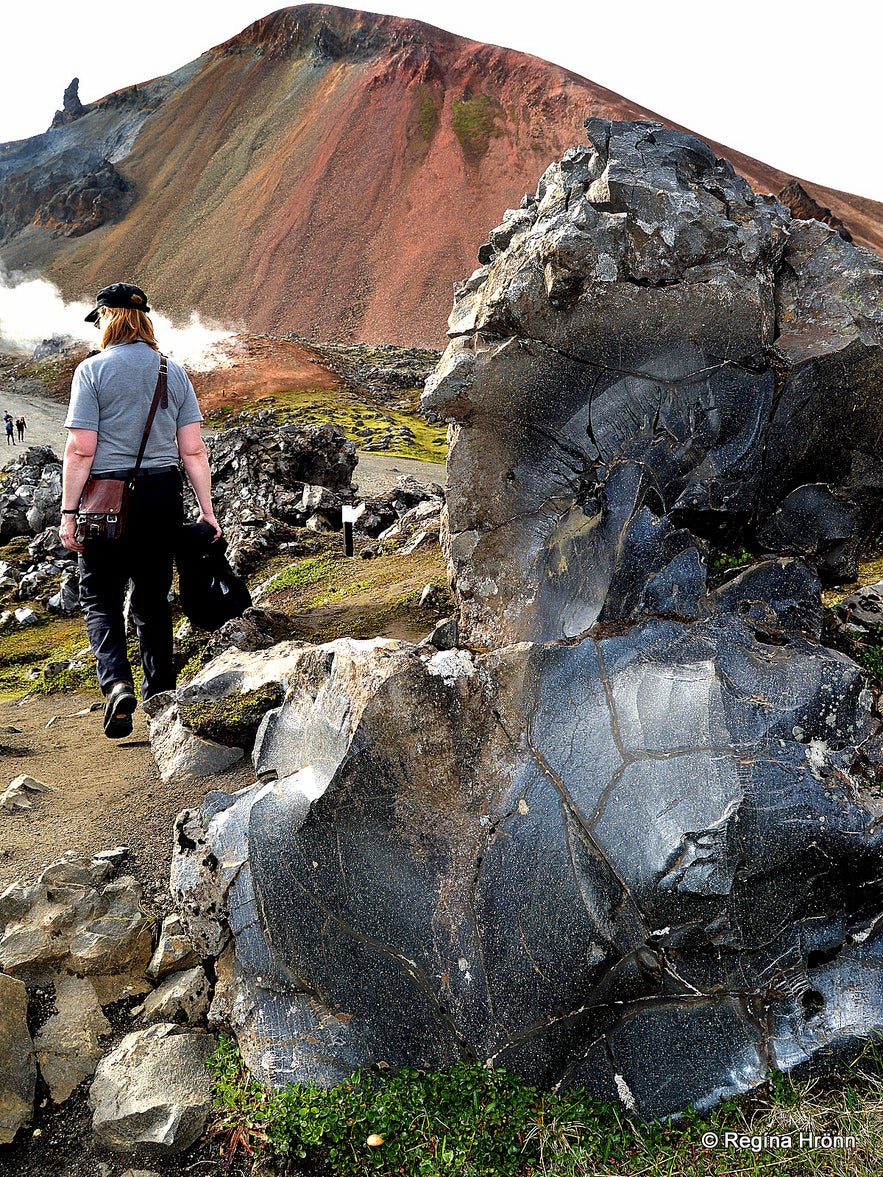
209 517
67 533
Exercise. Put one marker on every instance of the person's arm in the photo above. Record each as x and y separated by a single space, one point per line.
195 458
79 452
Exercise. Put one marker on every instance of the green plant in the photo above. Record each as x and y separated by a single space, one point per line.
241 1104
475 124
724 558
870 656
472 1121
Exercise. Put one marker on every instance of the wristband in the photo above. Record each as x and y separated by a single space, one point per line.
71 512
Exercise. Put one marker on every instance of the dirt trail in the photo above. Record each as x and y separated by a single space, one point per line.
105 793
44 417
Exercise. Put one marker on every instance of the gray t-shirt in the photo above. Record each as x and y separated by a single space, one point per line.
111 393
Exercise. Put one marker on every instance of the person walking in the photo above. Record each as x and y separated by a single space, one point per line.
111 395
21 425
9 438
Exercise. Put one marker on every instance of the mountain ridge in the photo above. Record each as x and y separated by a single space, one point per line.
326 171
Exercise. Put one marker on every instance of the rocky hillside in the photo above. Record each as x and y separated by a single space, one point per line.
327 171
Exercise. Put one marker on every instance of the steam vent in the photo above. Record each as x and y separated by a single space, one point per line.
619 837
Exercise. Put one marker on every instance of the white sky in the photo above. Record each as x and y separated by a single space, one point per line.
795 90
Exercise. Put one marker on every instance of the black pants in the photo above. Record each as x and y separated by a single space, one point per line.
145 556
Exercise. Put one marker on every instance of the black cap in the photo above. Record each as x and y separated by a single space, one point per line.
120 294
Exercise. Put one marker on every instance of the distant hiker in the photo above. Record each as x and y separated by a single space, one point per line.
111 396
21 425
10 440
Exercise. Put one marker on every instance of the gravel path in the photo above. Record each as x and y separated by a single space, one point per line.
44 417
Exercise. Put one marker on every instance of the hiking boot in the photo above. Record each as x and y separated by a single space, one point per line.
121 702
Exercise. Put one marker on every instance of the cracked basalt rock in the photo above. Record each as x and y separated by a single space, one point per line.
653 357
618 836
562 858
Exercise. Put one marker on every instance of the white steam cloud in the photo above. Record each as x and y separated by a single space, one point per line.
33 310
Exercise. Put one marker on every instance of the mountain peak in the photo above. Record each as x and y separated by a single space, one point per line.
326 33
327 171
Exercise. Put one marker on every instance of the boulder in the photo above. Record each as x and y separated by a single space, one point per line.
267 480
183 756
77 919
864 607
67 1045
18 1074
621 835
256 629
783 594
153 1092
559 858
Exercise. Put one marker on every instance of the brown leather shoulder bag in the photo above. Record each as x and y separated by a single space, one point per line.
104 503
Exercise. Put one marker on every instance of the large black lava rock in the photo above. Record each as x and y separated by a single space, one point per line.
620 838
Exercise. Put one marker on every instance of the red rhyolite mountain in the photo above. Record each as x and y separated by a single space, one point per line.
327 172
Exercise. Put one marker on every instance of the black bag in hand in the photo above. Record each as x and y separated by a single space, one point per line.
209 590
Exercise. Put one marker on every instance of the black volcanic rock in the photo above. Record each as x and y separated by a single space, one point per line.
85 203
621 836
72 108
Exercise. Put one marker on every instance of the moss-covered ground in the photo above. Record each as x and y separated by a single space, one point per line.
398 430
327 594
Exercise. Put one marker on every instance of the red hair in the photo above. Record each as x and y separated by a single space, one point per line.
126 325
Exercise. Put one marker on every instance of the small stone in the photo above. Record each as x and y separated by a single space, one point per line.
20 792
153 1091
182 997
174 950
115 857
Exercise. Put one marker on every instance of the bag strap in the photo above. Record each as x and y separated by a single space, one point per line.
161 392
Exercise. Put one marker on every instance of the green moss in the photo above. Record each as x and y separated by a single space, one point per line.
305 572
23 653
427 118
475 124
233 720
410 436
17 548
